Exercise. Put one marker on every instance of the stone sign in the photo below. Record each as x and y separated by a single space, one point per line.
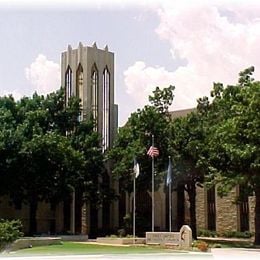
183 239
186 236
162 237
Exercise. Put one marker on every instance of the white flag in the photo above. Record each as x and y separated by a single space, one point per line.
136 169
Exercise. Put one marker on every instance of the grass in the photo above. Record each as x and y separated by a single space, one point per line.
81 248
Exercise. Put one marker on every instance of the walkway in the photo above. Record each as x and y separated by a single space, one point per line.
215 254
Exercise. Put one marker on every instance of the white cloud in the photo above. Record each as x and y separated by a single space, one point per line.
141 80
216 42
44 75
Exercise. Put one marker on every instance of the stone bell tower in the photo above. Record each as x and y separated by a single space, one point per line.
88 73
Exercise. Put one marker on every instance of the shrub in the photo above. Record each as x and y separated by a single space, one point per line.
206 233
10 230
121 232
237 234
113 236
201 245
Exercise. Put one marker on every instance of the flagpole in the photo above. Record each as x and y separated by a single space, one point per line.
134 213
170 203
153 187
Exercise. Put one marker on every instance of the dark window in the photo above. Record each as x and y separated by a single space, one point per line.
79 87
211 206
243 209
106 109
180 207
94 94
68 84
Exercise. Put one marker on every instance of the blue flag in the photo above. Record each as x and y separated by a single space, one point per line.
169 173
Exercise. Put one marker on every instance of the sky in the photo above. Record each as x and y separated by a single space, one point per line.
188 44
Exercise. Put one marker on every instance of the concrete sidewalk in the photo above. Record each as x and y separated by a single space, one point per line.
235 253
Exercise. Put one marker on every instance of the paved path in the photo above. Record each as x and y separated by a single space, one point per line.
215 254
156 256
236 253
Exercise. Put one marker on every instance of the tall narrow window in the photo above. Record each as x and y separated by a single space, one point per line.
68 84
211 201
106 109
243 209
79 88
94 94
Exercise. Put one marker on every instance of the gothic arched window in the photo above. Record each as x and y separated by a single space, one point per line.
106 109
79 87
68 84
94 93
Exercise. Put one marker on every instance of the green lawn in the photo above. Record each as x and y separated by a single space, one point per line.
81 248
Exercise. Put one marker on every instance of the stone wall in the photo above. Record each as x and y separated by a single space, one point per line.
201 209
227 213
46 218
251 202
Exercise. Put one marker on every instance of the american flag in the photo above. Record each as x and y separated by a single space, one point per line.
153 151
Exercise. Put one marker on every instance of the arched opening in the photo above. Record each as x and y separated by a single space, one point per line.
94 94
79 87
68 84
106 109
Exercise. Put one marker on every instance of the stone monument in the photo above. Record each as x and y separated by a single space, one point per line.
181 239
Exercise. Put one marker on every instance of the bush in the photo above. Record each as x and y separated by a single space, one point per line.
206 233
121 232
10 230
237 234
201 245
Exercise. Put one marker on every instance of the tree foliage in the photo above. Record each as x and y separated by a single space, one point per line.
135 138
186 144
46 152
232 138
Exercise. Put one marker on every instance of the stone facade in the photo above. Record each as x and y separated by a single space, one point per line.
88 72
201 209
48 220
227 212
251 201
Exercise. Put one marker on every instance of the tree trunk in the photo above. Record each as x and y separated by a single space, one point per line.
192 198
33 211
257 215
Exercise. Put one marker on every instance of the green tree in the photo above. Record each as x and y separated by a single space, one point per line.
46 152
162 99
38 159
186 143
233 135
9 145
134 139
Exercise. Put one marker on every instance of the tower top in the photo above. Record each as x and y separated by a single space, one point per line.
94 45
81 47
